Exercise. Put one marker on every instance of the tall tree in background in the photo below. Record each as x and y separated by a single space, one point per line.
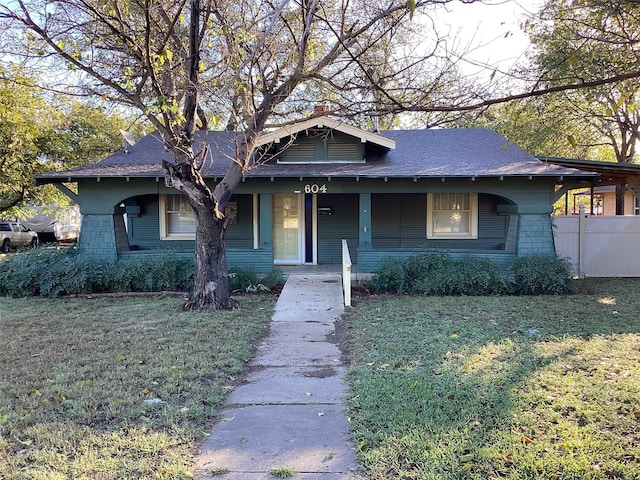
582 40
542 126
39 133
23 122
246 63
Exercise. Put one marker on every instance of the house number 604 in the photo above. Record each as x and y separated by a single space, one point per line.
315 188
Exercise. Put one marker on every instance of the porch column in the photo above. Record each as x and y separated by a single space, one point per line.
266 221
535 232
98 237
364 235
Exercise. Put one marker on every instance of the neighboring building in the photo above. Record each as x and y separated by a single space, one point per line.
393 193
602 201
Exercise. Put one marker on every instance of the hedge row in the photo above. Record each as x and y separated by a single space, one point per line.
47 272
439 274
61 272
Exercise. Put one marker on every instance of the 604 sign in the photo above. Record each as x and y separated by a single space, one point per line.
315 188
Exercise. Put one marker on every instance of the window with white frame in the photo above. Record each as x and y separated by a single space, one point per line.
177 220
452 215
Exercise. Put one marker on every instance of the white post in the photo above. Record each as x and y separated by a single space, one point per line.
581 239
346 273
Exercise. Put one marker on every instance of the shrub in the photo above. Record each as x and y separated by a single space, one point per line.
478 276
155 273
50 272
541 275
427 273
389 277
440 274
273 279
22 274
61 272
241 279
432 274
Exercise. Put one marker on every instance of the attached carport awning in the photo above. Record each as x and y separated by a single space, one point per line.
611 173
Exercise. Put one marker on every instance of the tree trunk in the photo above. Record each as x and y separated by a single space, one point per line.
211 283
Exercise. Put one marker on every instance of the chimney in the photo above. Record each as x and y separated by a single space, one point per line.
321 109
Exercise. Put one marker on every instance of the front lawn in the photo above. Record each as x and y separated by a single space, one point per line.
498 387
115 388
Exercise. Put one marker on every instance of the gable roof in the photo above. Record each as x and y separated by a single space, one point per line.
459 152
292 130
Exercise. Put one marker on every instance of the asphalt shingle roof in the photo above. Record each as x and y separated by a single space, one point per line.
419 153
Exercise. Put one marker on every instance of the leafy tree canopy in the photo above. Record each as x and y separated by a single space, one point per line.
582 40
40 132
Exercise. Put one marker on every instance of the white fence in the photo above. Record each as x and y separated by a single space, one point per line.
607 246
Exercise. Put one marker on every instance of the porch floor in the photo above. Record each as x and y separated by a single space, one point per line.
321 270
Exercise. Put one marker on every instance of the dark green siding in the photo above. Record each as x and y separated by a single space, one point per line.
369 260
399 221
261 261
240 234
341 224
336 147
144 230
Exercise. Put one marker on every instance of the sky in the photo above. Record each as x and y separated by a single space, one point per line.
491 28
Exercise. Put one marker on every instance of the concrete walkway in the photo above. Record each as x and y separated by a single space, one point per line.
289 412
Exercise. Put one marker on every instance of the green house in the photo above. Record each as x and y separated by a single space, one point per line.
391 193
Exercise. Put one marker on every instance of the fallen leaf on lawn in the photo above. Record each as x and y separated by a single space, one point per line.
526 440
451 397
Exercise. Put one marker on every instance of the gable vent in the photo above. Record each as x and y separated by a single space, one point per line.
301 150
343 150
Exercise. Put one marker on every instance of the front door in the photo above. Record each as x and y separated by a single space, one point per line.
288 229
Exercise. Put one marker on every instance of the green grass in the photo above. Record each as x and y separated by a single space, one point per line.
282 472
114 388
498 387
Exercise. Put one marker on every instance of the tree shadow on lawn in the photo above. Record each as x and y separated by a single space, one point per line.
503 387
